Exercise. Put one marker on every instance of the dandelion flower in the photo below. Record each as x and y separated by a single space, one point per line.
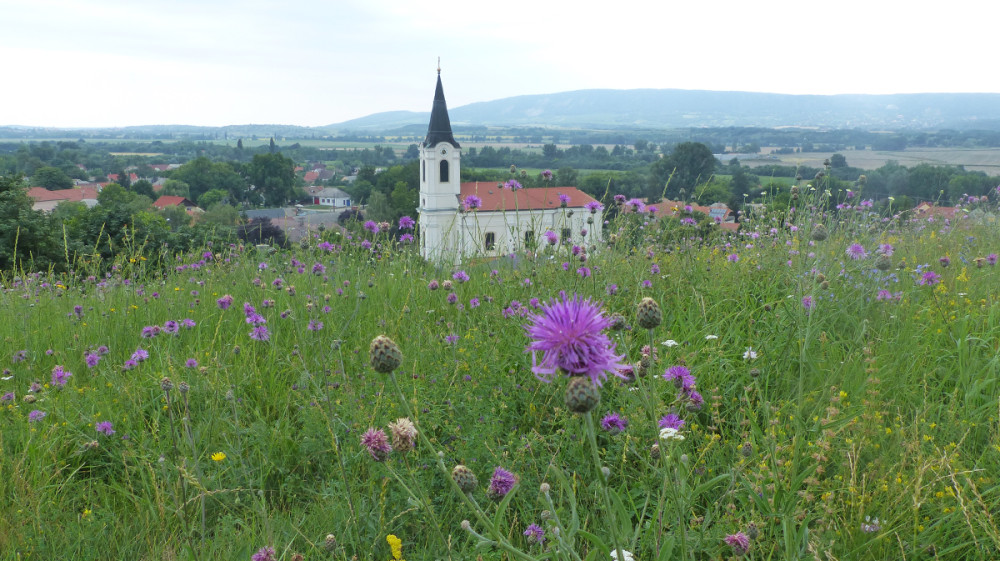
218 456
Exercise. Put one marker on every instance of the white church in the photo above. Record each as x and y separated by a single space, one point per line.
506 220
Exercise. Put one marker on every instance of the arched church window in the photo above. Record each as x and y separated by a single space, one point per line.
423 171
444 171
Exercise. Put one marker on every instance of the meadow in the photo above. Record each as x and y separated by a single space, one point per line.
822 385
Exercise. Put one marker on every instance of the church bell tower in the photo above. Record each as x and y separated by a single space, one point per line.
440 183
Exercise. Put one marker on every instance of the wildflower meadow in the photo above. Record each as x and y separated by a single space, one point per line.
821 384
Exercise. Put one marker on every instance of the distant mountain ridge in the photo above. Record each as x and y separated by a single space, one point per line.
668 108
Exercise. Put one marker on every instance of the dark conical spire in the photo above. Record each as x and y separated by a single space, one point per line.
439 129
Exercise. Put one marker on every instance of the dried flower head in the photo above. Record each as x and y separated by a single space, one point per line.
404 434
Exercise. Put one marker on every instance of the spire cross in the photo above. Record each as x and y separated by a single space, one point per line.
439 65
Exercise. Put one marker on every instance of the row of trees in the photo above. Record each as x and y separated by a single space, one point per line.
123 223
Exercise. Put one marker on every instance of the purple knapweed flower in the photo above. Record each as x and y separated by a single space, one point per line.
512 184
371 226
263 554
314 325
856 251
224 302
191 363
460 276
406 223
739 542
377 444
614 423
593 206
105 428
569 334
534 534
671 421
680 376
547 175
171 326
472 202
501 482
60 376
91 359
36 415
260 333
930 278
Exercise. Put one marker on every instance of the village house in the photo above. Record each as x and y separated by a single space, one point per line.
331 196
46 200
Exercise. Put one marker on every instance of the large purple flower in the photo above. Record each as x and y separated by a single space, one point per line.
569 334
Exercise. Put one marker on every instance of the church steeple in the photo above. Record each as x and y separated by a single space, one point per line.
439 129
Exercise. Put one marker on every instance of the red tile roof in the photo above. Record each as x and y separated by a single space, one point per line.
537 198
311 176
41 194
172 200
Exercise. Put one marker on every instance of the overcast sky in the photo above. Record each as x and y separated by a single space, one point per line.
88 63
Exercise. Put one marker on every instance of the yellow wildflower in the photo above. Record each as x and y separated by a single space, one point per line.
396 545
218 456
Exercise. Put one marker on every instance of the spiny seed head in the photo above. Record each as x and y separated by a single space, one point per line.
330 543
581 395
384 354
648 314
617 322
654 451
166 385
825 285
819 233
183 387
883 263
465 479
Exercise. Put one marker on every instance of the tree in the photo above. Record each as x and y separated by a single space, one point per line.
26 235
213 196
220 214
838 161
262 231
273 175
379 208
144 187
271 147
51 178
550 151
689 164
176 217
566 177
176 188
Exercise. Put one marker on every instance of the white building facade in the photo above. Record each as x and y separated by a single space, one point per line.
506 221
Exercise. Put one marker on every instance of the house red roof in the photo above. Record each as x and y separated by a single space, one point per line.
311 176
538 198
925 209
172 200
41 194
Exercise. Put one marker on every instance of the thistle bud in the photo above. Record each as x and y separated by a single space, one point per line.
384 354
819 233
581 395
648 314
465 479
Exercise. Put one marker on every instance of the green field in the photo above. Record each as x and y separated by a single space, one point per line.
847 393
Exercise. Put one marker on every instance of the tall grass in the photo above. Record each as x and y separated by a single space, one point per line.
859 404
